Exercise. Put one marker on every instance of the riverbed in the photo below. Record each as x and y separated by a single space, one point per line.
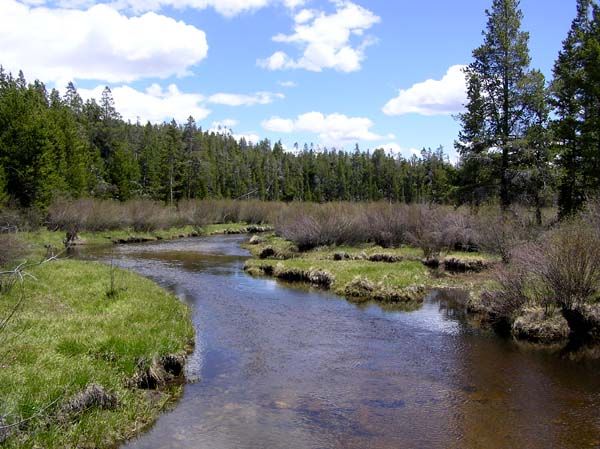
284 366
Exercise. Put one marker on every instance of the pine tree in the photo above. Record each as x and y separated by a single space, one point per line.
497 116
568 99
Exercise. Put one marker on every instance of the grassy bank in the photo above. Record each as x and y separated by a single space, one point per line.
41 239
367 272
70 333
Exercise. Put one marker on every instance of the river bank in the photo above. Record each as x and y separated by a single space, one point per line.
403 278
91 354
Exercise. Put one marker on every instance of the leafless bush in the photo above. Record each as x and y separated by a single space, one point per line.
146 215
16 220
86 215
311 225
561 270
425 230
11 249
591 215
499 232
259 212
387 224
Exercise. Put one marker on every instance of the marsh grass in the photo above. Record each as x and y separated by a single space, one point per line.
69 336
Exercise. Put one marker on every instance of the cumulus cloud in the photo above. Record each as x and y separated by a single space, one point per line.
96 44
432 97
155 104
230 99
331 129
227 8
328 41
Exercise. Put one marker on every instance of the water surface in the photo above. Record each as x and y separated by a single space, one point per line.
284 367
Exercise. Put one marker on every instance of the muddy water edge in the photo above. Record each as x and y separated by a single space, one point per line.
282 366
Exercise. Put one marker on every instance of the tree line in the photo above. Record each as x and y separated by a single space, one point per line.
60 145
522 139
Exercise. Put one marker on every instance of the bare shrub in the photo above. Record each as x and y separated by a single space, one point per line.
560 271
259 212
11 249
20 220
571 264
499 232
387 224
146 215
425 230
86 215
194 213
311 225
591 215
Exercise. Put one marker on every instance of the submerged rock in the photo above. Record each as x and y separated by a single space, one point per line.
535 325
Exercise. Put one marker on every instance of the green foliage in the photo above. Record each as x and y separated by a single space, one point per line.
500 109
52 146
576 99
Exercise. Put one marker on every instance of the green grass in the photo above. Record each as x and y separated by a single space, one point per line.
69 334
39 239
400 275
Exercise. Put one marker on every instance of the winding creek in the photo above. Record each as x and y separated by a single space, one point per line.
280 366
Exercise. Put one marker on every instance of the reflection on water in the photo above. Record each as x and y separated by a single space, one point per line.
284 367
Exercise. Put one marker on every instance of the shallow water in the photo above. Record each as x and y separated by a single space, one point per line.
279 366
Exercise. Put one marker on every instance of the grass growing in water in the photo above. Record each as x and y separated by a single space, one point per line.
388 269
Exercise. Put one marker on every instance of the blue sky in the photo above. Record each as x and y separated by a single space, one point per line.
327 72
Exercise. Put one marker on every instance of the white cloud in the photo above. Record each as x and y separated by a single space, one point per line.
229 99
395 149
331 129
326 39
155 104
96 44
249 137
227 8
432 97
228 123
288 84
223 128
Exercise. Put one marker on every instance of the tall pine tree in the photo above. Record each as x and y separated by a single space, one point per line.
497 115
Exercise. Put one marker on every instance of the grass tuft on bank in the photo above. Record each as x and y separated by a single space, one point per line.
69 338
394 274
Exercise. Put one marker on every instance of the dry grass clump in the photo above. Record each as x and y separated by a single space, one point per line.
540 326
362 289
454 265
94 396
159 372
319 278
383 257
